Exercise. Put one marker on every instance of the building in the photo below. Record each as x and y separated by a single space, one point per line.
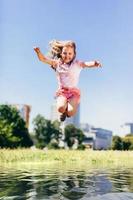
24 111
96 138
127 128
103 138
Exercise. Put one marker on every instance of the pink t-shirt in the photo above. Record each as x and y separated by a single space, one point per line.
68 75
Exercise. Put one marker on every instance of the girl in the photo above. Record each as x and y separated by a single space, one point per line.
67 68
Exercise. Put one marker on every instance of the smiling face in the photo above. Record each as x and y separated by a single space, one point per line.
68 54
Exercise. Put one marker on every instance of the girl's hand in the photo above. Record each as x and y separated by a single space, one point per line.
37 49
97 64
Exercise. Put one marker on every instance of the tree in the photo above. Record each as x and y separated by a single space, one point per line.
45 131
13 131
129 135
128 142
131 147
117 143
72 133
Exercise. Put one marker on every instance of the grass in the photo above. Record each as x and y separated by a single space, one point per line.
87 157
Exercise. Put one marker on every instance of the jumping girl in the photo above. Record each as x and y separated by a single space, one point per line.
67 68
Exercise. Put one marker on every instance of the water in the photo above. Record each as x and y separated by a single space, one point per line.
58 182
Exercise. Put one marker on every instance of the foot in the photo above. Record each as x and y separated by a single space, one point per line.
63 117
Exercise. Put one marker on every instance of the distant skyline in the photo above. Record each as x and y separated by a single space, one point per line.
102 30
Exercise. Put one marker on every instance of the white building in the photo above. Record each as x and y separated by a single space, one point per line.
103 138
96 138
127 128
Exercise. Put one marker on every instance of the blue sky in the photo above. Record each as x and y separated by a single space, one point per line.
102 30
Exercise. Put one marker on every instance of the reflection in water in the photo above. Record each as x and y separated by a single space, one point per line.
39 182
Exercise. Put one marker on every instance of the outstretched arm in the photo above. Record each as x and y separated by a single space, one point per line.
91 64
44 58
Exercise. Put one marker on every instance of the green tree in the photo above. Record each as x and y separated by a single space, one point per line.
131 147
128 142
13 131
129 135
117 143
45 131
72 133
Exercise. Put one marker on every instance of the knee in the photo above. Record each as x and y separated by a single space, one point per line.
61 109
71 113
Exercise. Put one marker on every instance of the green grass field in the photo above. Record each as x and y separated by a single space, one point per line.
87 157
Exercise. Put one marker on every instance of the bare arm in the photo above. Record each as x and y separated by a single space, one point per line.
44 59
91 64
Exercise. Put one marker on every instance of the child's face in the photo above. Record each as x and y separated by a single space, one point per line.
67 54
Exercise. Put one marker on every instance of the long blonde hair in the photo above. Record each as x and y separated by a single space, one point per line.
56 47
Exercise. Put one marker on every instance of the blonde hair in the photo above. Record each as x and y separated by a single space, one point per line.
56 47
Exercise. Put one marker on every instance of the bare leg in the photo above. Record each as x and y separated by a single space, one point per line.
61 104
72 107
